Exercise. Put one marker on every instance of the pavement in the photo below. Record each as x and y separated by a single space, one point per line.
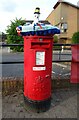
63 105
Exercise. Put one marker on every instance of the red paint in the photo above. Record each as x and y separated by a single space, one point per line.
37 83
75 64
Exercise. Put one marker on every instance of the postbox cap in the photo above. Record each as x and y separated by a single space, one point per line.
37 10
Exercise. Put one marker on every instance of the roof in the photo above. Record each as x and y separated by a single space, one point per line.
68 3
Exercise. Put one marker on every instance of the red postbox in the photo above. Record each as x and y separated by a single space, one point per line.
38 43
75 64
37 71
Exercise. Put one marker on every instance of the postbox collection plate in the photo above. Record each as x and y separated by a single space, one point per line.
40 57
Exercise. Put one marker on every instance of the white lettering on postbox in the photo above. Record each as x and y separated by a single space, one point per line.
39 68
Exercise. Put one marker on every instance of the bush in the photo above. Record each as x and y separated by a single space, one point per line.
75 38
55 39
12 36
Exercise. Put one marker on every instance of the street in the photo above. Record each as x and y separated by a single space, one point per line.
16 70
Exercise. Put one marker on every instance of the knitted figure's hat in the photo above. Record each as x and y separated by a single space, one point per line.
37 10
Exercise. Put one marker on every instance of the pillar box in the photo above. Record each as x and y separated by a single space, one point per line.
38 43
75 64
37 71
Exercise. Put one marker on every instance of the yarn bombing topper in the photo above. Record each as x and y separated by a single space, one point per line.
37 28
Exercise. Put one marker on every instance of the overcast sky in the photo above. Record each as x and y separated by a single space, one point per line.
10 9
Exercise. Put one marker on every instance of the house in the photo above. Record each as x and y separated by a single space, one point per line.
65 15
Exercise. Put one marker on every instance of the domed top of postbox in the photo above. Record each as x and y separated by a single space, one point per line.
37 28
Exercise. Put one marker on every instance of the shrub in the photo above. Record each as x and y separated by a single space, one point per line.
56 41
75 38
55 38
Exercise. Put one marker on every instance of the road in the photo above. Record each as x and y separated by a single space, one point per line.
16 70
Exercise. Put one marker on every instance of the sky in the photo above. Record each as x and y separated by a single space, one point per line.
10 9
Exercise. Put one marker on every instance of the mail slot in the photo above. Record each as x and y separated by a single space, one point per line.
40 44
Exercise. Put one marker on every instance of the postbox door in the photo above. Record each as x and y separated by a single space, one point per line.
40 86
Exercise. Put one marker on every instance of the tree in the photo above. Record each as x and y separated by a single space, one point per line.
12 36
75 38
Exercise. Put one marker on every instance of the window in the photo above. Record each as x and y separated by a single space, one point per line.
64 27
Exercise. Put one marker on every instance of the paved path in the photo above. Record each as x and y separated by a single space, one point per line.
64 105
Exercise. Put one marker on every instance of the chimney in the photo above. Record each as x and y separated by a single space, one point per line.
59 0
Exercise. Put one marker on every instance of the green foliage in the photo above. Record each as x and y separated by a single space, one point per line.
12 36
56 41
55 38
75 38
